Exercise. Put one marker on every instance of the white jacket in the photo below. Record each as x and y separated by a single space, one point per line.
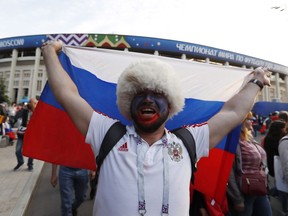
283 153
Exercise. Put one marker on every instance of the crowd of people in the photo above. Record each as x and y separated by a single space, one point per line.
9 115
273 132
73 182
254 157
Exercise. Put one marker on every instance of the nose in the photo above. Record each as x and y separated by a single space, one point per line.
147 100
148 97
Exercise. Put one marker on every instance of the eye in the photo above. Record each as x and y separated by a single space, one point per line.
141 93
159 94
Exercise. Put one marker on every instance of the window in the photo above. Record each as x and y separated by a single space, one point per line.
15 83
26 83
26 74
39 85
25 91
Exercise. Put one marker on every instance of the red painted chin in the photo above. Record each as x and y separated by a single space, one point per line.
147 119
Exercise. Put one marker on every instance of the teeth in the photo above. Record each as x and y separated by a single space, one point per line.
147 110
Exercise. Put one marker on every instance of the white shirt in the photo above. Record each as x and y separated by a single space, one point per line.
117 190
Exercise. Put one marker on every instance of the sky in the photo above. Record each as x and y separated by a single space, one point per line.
249 27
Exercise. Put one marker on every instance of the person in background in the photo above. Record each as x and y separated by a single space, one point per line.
2 116
25 116
12 109
3 109
283 115
249 157
3 112
276 131
267 121
283 155
18 115
73 184
8 130
147 179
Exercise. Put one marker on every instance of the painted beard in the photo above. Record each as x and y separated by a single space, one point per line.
149 111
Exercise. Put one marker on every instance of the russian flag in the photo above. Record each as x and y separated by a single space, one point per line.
52 137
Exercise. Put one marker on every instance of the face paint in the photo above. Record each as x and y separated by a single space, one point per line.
149 111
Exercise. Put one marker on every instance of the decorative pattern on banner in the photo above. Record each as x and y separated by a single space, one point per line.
70 39
106 40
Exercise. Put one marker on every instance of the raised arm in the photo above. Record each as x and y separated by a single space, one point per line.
64 89
236 108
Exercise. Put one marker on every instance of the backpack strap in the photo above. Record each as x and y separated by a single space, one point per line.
189 142
117 131
113 135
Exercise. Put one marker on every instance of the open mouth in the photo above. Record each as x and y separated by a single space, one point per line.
147 114
147 111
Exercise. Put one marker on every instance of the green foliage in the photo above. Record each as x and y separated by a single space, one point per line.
3 96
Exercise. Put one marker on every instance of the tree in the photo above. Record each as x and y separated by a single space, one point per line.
3 96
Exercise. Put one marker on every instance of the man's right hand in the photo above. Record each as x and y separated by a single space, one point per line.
55 44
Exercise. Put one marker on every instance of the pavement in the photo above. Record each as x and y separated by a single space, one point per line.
17 187
45 200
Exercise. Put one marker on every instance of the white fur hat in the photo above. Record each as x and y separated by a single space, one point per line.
149 74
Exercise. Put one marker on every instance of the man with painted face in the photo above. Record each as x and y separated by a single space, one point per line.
149 111
140 175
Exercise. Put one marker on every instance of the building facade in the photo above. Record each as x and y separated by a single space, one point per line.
22 67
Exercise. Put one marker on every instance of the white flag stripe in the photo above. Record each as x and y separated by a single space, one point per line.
200 80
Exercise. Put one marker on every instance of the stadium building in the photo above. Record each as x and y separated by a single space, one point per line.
22 67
